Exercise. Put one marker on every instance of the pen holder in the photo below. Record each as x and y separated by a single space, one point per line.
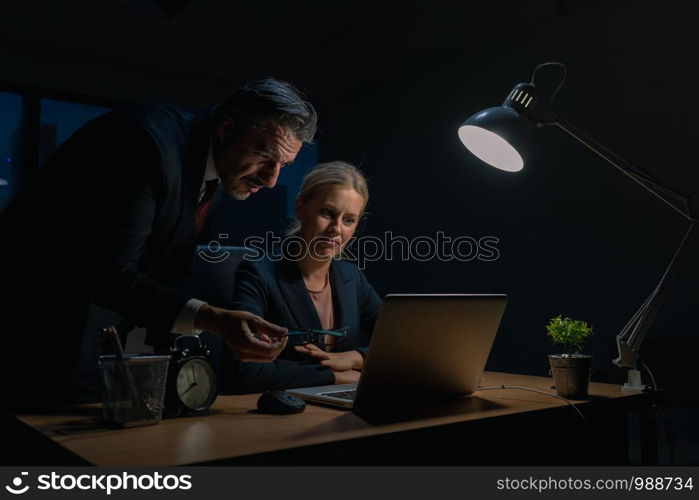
133 389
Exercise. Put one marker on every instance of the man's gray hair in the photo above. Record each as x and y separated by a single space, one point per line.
270 101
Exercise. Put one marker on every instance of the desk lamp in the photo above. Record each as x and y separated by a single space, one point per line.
499 136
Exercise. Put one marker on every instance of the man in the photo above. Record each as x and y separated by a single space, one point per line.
113 218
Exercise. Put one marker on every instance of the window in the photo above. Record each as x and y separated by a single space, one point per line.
10 144
59 119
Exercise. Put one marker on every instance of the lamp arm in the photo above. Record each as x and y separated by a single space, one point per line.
630 338
678 201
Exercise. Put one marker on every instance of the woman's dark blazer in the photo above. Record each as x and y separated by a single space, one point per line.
276 292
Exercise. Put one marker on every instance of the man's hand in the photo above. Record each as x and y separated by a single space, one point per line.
338 361
248 335
346 377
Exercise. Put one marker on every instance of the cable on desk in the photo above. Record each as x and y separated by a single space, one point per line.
652 378
572 405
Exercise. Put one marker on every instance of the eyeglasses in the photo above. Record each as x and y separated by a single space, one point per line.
318 337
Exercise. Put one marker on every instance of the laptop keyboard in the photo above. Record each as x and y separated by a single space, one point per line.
350 395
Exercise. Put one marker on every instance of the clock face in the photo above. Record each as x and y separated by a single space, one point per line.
196 384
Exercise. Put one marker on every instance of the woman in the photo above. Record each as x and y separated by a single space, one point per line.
309 288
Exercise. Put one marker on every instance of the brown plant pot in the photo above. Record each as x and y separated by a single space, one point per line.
571 374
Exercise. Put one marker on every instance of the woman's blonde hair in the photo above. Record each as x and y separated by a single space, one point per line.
328 175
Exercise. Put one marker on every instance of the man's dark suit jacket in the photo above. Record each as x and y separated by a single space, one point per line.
276 292
108 219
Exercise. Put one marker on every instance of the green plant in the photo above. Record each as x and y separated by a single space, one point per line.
569 332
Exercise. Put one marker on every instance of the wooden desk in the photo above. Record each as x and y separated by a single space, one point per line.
235 433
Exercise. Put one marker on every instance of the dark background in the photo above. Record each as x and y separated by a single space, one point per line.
392 81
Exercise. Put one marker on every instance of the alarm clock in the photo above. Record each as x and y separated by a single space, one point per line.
191 385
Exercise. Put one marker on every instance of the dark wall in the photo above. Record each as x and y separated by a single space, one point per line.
108 49
576 237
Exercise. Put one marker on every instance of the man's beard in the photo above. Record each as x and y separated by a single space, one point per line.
244 192
241 196
240 191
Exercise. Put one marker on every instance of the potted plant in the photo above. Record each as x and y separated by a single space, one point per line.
571 370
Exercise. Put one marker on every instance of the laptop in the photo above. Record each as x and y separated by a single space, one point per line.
423 347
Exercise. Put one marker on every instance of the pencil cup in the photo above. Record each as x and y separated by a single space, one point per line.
133 389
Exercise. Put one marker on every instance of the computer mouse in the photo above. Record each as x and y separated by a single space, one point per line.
280 403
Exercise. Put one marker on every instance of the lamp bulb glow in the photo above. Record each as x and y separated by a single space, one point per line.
491 148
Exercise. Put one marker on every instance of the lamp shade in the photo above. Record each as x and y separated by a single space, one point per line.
499 135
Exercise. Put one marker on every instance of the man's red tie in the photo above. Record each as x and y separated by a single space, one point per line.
204 205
